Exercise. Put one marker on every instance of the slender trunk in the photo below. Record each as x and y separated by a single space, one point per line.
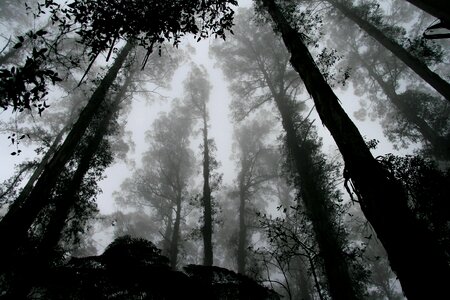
336 268
439 144
437 8
242 240
207 212
411 249
175 236
433 79
15 224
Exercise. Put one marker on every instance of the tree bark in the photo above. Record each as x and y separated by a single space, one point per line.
415 256
207 206
15 224
437 8
433 79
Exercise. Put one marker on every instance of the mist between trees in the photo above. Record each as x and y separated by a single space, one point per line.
115 130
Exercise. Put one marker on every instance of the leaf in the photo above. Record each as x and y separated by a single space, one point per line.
18 45
13 153
41 32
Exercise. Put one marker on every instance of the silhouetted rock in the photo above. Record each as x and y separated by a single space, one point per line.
135 269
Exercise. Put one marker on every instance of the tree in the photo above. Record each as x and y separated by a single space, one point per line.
168 168
413 115
197 88
418 66
257 165
382 198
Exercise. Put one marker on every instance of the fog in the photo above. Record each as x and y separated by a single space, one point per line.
238 150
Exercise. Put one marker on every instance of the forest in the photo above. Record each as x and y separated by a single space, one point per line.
225 149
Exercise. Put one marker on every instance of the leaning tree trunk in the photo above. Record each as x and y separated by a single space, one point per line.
206 200
46 253
437 8
317 210
415 256
15 224
421 69
440 145
67 201
335 264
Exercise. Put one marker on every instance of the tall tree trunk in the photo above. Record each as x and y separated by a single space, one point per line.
207 206
175 235
437 8
242 239
335 264
441 146
15 224
336 267
415 256
421 69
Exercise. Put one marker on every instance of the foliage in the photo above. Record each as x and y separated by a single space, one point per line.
148 276
428 192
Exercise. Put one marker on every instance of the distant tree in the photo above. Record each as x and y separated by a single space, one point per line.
386 35
257 165
197 89
410 116
382 198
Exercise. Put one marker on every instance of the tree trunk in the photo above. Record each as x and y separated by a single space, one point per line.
336 268
242 239
415 256
175 236
441 147
437 8
68 200
15 224
433 79
207 207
